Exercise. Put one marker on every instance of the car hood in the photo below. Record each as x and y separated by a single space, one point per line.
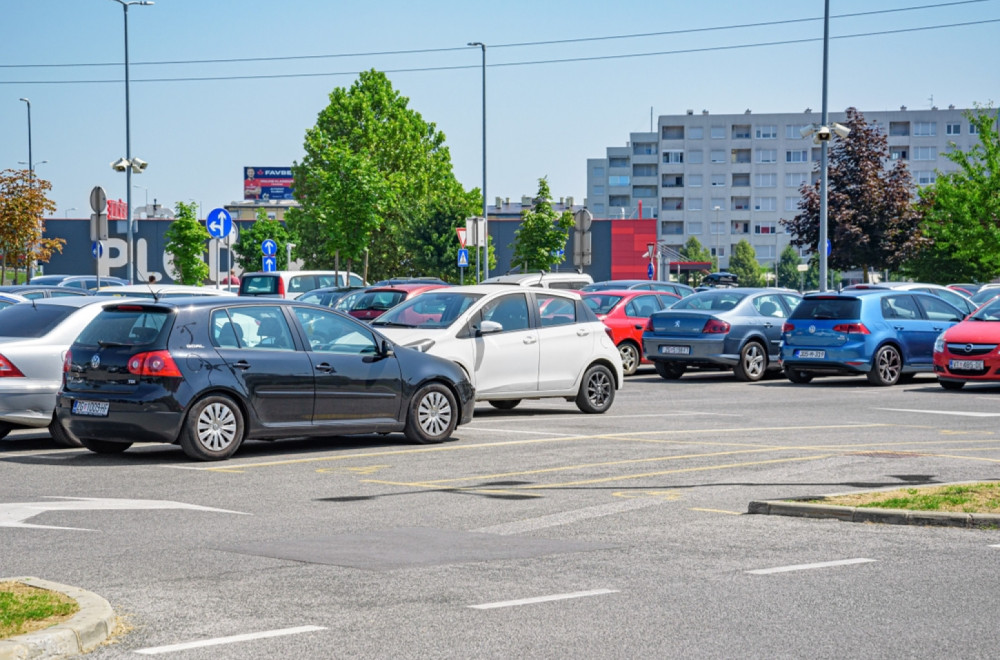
974 332
408 336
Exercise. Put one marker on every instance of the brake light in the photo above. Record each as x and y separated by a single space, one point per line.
8 370
715 326
608 332
649 324
851 328
281 287
67 362
153 363
787 327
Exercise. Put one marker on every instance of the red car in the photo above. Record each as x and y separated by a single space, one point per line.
370 303
626 312
968 351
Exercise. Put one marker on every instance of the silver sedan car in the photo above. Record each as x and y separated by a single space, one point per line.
34 338
738 329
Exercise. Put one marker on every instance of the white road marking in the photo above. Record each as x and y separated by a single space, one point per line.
228 640
13 514
957 413
567 517
806 567
543 599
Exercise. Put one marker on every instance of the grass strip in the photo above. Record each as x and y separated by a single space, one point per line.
24 608
963 498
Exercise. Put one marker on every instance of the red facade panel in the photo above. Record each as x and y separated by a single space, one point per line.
629 241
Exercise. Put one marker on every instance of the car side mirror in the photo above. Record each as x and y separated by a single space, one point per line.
488 327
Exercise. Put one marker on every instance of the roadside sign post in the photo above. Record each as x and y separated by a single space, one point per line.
269 263
218 223
461 231
97 249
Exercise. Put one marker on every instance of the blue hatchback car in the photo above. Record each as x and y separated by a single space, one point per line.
887 335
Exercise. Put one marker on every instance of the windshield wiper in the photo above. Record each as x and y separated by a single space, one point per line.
111 344
395 324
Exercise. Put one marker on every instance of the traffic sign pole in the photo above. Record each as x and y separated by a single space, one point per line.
219 223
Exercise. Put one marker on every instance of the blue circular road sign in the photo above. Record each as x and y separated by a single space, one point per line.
269 247
219 223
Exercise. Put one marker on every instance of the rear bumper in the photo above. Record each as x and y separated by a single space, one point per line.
127 421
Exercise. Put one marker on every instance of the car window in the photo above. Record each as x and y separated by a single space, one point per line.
329 332
791 301
902 307
510 311
769 305
305 283
826 309
601 303
668 299
126 325
642 306
261 327
431 309
721 300
259 284
555 310
953 298
938 310
31 320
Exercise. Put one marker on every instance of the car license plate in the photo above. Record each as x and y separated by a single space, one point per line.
969 365
675 350
91 408
810 354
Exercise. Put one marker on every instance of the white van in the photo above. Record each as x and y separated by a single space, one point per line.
569 280
293 283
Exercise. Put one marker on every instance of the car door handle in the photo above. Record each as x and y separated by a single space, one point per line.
768 324
242 364
325 367
639 327
898 327
530 339
582 332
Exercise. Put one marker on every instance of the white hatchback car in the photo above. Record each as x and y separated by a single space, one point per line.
514 342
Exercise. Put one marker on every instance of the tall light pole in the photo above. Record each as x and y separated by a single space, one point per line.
486 238
823 157
31 167
718 259
128 144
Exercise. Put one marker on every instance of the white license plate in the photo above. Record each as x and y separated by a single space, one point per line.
675 350
810 354
91 408
969 365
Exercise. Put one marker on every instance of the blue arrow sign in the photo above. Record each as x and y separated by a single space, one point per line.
97 249
649 271
219 223
269 247
463 258
270 264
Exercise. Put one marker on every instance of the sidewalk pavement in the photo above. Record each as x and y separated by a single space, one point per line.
81 634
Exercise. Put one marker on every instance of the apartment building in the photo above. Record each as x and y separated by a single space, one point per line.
726 178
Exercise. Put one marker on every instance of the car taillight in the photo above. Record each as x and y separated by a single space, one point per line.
787 327
715 326
281 287
8 370
649 324
851 328
153 363
608 332
67 362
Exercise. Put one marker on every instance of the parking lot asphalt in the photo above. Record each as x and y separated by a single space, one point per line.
548 481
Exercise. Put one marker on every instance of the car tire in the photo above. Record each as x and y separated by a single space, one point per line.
505 404
61 436
104 446
631 357
213 429
753 362
952 384
886 367
798 377
597 391
669 370
433 415
5 429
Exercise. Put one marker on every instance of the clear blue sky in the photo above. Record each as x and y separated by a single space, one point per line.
544 118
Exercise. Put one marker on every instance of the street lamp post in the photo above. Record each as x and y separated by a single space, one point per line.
486 237
31 172
128 143
823 210
718 259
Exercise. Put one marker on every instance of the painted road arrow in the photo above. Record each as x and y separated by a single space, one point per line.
14 514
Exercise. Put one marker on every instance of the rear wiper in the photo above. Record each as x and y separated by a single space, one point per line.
111 344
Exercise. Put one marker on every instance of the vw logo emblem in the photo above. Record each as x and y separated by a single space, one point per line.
95 361
812 329
968 348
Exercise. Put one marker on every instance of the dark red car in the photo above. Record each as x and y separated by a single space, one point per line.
370 303
626 312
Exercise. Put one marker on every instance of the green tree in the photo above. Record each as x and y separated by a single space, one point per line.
788 268
247 248
871 221
185 243
744 265
693 250
23 202
432 244
542 233
371 171
961 213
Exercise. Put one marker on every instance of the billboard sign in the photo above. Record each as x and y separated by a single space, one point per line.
266 183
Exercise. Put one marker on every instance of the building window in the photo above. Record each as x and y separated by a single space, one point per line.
740 204
767 155
795 179
672 204
740 155
792 203
899 128
741 131
619 201
766 204
973 129
765 228
694 180
695 204
599 189
769 180
797 156
621 180
717 156
695 132
924 177
718 228
718 180
599 172
764 251
672 228
953 128
673 156
925 128
769 132
694 227
924 153
644 191
673 180
899 153
718 203
644 170
741 227
696 157
672 133
599 210
741 180
718 132
618 161
719 252
794 131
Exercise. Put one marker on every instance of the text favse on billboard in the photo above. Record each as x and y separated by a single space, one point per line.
267 183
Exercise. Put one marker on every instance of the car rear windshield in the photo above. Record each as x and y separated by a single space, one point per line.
259 285
720 300
126 325
26 320
828 308
601 303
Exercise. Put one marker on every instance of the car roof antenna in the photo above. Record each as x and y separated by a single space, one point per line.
149 283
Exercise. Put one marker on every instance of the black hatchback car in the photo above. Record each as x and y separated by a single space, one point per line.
209 373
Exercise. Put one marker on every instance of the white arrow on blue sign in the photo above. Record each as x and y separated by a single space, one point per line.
270 264
649 271
219 223
97 249
463 258
269 247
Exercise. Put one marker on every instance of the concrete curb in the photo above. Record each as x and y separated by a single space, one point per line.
81 634
864 514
